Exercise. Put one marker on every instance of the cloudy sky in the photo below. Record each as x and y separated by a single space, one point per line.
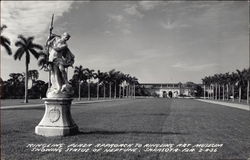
154 41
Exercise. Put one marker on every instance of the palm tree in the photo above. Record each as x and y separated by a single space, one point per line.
120 79
116 80
240 82
228 82
217 80
127 76
104 80
26 46
79 76
98 75
135 82
205 82
111 75
248 84
4 41
233 80
89 75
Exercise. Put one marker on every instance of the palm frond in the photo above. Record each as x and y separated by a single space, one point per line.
19 44
36 46
4 40
34 52
19 53
30 40
23 38
7 48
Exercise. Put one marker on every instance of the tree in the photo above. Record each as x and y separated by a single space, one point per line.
116 80
89 75
79 76
98 75
240 82
15 85
110 78
233 80
248 83
33 75
4 41
228 83
205 83
26 46
135 82
104 80
119 80
38 89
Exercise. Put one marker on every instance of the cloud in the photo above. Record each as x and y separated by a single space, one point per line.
126 31
31 18
117 18
173 25
120 23
132 10
197 67
148 5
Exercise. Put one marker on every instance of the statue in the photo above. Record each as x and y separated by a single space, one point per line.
59 59
57 119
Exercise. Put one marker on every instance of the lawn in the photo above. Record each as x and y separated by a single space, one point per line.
144 121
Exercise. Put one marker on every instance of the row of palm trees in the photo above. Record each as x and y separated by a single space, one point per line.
222 86
124 82
26 47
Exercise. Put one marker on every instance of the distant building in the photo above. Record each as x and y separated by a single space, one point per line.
168 89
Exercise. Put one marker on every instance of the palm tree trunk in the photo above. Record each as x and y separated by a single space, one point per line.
204 92
127 92
115 91
104 91
110 90
233 92
227 92
216 92
219 91
26 81
134 91
223 90
88 91
120 91
208 93
239 94
212 91
79 90
97 91
129 89
123 91
248 86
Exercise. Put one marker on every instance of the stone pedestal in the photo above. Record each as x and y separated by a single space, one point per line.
57 120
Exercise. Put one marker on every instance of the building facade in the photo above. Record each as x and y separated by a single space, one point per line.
167 90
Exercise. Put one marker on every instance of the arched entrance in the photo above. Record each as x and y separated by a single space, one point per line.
164 94
170 94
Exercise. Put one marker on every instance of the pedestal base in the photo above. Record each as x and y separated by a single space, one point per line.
57 120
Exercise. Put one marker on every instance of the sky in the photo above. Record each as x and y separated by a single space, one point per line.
157 42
